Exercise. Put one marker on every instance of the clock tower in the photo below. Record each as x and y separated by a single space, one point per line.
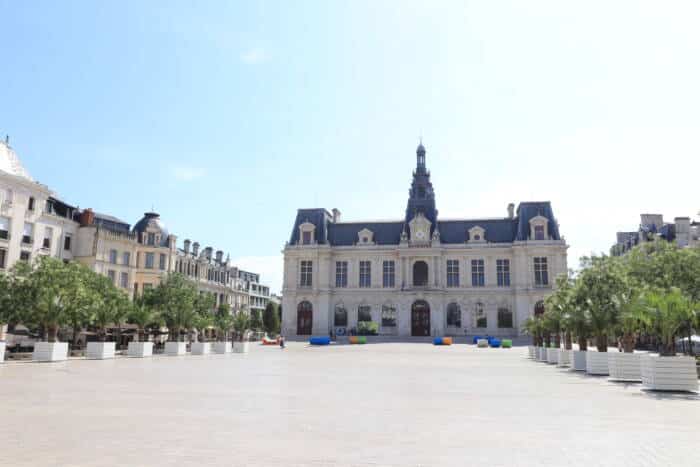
421 197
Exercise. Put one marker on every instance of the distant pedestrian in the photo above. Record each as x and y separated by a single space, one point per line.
281 342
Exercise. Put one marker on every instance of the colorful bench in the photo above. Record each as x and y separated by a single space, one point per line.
320 340
506 343
495 343
482 343
442 341
358 339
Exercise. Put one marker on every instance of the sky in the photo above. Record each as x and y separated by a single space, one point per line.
226 117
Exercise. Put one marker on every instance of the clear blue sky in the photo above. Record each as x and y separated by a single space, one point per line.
228 116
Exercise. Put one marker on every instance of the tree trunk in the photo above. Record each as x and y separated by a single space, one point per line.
547 339
76 336
567 340
557 340
51 333
582 343
601 341
628 341
117 346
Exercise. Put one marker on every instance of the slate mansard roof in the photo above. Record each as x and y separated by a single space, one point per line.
503 230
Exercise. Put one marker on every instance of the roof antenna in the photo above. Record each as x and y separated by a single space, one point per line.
7 140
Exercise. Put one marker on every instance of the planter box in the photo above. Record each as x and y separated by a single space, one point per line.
241 347
201 348
541 354
578 360
624 366
175 348
669 373
597 363
50 351
99 350
564 358
482 343
531 351
140 349
221 347
2 351
552 355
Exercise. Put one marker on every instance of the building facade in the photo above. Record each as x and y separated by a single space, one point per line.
258 294
682 231
420 275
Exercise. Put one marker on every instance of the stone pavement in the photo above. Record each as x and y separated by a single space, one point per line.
373 405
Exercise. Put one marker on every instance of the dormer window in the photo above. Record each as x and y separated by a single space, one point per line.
365 237
306 233
477 234
538 228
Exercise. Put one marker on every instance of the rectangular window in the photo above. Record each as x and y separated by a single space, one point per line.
452 273
541 275
341 273
150 259
113 256
112 276
67 242
477 273
48 235
539 232
3 258
306 278
503 272
151 239
124 280
364 313
4 228
162 262
30 206
126 258
306 238
365 274
388 316
389 274
24 255
505 318
27 234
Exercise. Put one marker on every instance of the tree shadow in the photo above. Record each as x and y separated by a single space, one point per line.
670 395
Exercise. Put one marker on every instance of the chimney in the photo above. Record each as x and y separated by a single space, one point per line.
187 246
219 256
208 250
336 215
511 211
195 248
682 231
87 217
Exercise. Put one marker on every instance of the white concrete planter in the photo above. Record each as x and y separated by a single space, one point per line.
50 351
542 354
552 355
140 349
532 351
624 366
564 358
221 347
241 347
2 351
578 360
99 350
482 343
201 348
175 348
669 373
597 363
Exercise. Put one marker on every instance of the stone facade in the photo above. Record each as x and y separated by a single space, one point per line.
682 231
420 275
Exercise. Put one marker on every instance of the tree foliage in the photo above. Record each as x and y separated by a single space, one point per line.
271 319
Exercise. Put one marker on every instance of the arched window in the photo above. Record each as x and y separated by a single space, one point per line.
454 315
480 316
420 274
364 313
340 316
505 318
539 308
388 316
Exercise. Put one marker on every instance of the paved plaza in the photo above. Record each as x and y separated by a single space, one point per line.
372 405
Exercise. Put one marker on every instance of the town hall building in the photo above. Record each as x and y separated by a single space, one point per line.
420 275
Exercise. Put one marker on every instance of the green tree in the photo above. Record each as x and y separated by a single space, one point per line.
241 325
6 305
271 319
256 322
223 321
175 299
142 314
633 315
670 310
533 326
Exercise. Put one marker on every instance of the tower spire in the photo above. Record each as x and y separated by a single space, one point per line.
420 157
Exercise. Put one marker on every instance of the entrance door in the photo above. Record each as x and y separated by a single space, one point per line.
420 318
304 319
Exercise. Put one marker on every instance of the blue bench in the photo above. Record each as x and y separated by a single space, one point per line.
320 340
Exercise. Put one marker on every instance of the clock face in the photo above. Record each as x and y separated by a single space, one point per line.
420 235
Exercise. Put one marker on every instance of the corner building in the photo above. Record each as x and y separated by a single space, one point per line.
420 275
